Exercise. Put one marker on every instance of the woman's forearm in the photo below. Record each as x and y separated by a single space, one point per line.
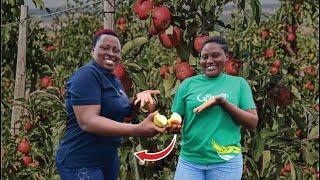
248 119
106 127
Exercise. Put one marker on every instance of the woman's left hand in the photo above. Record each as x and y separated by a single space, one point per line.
145 97
211 102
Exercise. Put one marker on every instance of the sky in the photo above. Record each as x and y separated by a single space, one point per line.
59 3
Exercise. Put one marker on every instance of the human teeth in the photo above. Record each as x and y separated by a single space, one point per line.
211 67
109 62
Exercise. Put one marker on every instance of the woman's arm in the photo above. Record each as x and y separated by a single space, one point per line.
142 98
89 120
247 118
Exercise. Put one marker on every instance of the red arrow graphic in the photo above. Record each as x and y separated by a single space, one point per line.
144 156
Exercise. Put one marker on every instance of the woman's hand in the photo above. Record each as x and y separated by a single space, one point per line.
145 97
209 103
147 128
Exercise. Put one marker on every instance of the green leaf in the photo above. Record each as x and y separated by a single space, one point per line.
168 85
266 157
214 33
139 41
184 51
38 3
310 156
256 10
149 21
140 80
133 65
169 30
259 147
299 172
209 4
127 47
293 172
266 133
175 88
296 92
134 165
314 131
192 60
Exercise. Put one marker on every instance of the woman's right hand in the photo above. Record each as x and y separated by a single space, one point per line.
147 128
211 102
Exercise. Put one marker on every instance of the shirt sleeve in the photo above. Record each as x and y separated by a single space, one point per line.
179 103
246 98
85 88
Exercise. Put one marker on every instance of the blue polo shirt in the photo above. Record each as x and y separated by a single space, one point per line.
92 85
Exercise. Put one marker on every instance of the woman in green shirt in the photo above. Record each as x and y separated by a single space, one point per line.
214 106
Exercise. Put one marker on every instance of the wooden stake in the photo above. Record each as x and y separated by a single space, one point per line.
109 10
20 80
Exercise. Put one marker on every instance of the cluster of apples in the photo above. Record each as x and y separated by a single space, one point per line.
160 21
162 121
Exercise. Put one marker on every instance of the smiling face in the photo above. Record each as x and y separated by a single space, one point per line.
212 59
107 52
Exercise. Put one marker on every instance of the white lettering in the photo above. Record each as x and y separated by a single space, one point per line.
206 97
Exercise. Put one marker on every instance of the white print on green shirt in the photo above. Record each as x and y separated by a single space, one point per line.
206 97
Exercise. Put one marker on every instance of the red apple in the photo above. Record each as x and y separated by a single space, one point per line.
287 167
121 22
292 28
291 37
268 53
26 160
310 70
184 70
232 67
171 40
164 71
277 63
274 70
27 125
265 34
24 146
198 42
152 30
142 8
119 71
161 17
46 82
49 47
310 86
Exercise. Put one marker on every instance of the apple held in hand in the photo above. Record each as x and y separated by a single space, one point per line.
175 119
160 120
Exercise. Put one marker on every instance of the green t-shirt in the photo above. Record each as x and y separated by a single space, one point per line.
211 136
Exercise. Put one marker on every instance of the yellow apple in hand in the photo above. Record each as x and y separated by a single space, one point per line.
175 119
160 120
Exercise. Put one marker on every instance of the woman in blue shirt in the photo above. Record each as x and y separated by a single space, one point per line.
96 107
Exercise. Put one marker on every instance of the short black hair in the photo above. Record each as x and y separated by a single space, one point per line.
97 35
218 40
